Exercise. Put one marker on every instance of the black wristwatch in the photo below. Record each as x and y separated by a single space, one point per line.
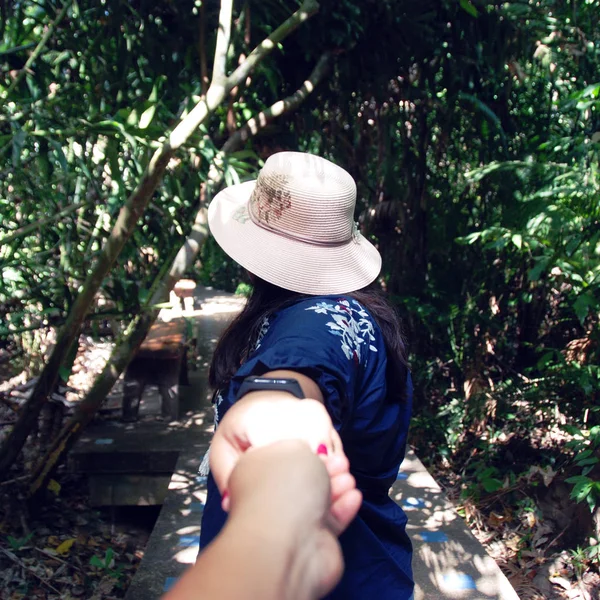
253 384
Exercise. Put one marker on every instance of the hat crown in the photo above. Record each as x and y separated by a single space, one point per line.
306 197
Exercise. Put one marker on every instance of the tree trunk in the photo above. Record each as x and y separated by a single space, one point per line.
134 208
125 350
87 408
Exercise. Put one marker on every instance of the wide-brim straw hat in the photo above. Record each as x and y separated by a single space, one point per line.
294 226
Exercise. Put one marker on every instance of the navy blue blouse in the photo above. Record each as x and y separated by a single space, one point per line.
335 341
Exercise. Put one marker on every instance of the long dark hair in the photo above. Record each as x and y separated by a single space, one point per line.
237 340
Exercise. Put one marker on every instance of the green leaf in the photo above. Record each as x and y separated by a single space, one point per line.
18 142
485 474
147 117
536 272
108 557
585 105
64 373
582 487
272 79
592 90
18 543
132 119
484 109
97 562
581 306
102 126
517 240
60 57
156 87
161 305
34 88
231 176
112 153
469 239
60 155
491 485
244 154
467 6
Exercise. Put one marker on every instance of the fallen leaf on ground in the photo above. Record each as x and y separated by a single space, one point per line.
65 546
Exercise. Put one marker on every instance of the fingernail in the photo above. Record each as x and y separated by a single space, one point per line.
322 449
225 501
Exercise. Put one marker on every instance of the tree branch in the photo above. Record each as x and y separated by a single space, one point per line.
138 329
23 566
26 229
222 44
202 48
254 125
307 10
279 108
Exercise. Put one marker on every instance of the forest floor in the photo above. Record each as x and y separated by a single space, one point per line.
521 510
67 549
64 547
529 548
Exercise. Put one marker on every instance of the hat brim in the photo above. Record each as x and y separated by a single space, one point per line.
288 263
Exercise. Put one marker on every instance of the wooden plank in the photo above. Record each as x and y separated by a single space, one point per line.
164 339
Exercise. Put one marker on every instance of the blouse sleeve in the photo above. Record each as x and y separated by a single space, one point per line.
329 341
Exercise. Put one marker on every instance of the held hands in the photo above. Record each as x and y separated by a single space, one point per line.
278 543
259 420
280 495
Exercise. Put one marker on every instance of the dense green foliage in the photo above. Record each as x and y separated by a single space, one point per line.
472 129
78 130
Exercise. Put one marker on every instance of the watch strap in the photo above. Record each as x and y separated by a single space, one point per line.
280 384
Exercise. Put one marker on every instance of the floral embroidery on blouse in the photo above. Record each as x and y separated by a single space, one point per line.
204 467
218 400
264 327
352 323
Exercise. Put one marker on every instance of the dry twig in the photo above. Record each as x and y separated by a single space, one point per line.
21 564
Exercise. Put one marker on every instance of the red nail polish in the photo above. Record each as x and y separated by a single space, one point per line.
225 502
322 449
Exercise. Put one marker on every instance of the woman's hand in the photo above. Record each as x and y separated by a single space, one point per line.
260 419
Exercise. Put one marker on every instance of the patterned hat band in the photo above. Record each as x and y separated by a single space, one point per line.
278 201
